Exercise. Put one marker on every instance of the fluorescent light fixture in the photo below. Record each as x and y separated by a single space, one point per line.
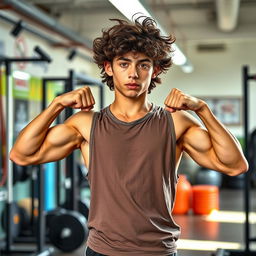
178 57
135 7
205 245
21 75
187 67
129 9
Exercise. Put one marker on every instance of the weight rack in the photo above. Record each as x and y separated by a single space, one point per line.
248 240
9 243
70 82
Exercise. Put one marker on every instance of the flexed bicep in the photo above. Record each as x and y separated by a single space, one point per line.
197 143
208 142
60 141
201 147
38 143
194 139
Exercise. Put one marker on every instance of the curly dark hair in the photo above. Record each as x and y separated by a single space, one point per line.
143 37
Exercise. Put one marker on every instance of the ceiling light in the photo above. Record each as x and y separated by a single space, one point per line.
187 67
17 29
42 54
72 54
135 7
178 57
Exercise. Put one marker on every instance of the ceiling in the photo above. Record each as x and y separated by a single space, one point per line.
187 19
191 21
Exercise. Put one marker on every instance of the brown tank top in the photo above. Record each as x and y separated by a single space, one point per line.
133 181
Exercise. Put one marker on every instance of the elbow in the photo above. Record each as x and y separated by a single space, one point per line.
240 169
17 159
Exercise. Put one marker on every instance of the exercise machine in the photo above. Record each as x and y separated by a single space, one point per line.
11 206
67 223
248 240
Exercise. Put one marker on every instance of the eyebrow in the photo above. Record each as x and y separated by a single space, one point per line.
129 60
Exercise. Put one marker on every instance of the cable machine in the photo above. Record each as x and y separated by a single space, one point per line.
72 203
247 181
10 205
70 82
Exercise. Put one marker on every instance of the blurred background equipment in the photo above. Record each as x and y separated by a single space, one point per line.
216 38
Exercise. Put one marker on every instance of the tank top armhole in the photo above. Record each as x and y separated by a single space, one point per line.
91 143
173 136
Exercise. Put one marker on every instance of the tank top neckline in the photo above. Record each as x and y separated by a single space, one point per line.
115 119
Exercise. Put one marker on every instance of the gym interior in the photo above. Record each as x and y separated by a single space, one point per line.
46 50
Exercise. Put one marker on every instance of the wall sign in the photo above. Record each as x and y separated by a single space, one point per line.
20 51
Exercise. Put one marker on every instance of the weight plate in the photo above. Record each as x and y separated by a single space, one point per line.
68 231
83 209
53 213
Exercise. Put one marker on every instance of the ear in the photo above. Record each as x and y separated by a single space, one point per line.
108 68
156 72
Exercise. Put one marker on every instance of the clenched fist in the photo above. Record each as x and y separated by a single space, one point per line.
178 100
81 98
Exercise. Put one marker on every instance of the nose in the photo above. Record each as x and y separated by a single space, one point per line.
133 72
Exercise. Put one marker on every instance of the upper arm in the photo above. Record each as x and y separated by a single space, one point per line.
196 142
59 142
194 139
62 139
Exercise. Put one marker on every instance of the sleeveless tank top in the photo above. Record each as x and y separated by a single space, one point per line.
133 180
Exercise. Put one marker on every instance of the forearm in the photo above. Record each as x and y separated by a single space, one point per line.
226 147
32 136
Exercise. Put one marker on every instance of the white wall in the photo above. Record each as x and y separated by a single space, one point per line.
59 66
215 74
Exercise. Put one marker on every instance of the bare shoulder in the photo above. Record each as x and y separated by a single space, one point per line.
183 121
81 122
80 117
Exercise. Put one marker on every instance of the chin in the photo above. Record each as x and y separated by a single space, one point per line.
133 94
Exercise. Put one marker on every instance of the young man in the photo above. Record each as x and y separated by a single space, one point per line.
132 148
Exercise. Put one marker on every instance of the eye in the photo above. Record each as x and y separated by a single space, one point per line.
145 66
123 64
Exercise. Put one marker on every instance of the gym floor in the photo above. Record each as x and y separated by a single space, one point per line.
199 234
197 230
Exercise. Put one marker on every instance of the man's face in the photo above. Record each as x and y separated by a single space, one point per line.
132 73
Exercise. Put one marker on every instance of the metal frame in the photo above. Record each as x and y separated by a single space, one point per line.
45 36
35 14
247 185
71 81
9 248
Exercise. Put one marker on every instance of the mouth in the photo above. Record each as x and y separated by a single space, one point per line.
132 86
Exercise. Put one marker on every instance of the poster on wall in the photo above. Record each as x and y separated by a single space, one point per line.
20 51
227 109
21 81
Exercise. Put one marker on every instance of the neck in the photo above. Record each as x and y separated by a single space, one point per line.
130 107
